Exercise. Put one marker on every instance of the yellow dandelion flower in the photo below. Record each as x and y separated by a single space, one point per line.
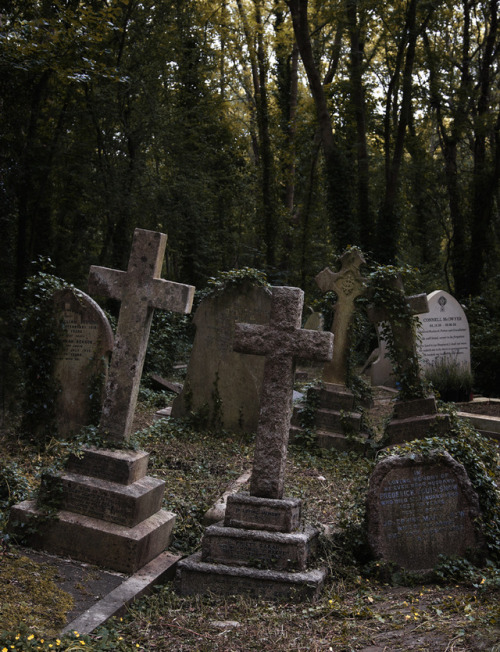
18 636
405 604
76 633
31 637
42 640
4 649
82 642
407 617
483 580
58 642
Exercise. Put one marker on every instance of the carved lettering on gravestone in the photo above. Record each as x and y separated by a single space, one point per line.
281 341
405 341
420 508
82 363
140 290
444 331
215 371
348 284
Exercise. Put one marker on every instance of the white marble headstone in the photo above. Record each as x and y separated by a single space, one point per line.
444 331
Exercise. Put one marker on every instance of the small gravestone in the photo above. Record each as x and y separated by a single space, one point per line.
419 508
110 512
261 548
225 383
444 332
82 362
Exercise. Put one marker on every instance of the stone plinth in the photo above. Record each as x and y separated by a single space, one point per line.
115 524
419 508
195 576
270 550
110 501
338 423
92 540
416 419
254 513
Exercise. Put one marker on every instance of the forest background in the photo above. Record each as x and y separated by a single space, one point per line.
255 133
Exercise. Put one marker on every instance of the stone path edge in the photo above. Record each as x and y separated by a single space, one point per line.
159 570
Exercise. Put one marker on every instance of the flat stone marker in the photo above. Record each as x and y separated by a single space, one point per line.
140 290
82 363
444 331
281 341
419 508
348 285
227 382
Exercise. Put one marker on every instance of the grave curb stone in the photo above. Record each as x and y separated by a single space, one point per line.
379 543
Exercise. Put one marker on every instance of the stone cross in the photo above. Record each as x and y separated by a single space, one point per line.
140 290
405 341
281 341
348 284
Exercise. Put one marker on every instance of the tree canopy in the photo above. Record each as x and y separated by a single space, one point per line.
263 133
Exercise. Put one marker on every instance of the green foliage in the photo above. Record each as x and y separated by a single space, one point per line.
39 343
14 485
386 295
169 342
450 379
234 278
307 409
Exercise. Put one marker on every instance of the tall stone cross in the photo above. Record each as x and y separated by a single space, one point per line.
140 290
405 341
348 285
281 341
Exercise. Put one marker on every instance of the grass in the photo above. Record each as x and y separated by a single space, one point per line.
355 610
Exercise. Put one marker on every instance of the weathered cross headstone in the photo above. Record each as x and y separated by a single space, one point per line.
282 341
81 366
444 331
419 508
348 285
225 383
110 511
139 290
263 528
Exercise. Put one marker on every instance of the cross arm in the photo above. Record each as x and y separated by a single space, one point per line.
106 282
251 338
315 345
168 295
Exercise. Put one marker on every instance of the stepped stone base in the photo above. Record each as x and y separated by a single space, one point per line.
195 576
92 540
335 415
272 550
255 513
109 512
416 419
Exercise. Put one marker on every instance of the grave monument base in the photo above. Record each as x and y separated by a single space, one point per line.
259 549
195 576
336 415
416 419
114 523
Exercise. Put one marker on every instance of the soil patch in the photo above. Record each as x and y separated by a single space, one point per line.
488 408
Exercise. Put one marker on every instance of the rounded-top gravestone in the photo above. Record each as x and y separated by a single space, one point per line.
444 331
82 362
419 508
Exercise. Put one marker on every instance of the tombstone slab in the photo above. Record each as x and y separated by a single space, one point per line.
254 513
444 331
82 363
419 508
226 382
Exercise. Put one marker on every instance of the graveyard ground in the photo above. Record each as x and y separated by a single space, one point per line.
363 607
